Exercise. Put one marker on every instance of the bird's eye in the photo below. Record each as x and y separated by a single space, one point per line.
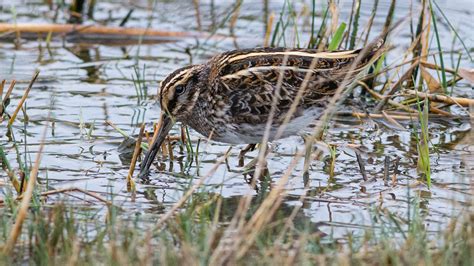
180 89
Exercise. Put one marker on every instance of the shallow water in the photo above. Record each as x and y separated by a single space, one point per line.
83 85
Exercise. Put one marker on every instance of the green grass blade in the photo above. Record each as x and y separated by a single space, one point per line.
422 140
454 30
379 64
320 36
313 15
275 33
355 25
438 42
337 38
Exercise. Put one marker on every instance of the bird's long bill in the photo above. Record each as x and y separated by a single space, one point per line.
166 125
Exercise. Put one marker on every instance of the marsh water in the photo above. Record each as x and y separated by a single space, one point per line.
85 83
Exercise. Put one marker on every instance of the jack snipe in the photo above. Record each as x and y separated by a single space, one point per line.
229 98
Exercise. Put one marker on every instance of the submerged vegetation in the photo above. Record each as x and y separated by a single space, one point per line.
386 163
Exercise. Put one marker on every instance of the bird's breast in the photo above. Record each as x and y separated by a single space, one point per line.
245 133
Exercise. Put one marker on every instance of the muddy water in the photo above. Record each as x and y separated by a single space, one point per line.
83 85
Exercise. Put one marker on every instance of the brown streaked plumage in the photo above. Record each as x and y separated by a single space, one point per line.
229 98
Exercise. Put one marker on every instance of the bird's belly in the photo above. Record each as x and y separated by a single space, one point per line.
253 133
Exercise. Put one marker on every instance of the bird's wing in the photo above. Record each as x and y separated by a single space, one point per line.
234 61
249 79
249 94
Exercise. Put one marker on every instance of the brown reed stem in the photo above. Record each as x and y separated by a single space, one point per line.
130 183
25 202
8 169
7 97
408 116
198 15
465 102
392 121
378 96
2 85
395 87
68 189
87 29
23 99
268 31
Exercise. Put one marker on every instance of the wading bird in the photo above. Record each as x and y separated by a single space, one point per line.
231 97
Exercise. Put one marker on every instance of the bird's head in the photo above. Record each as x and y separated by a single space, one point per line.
178 94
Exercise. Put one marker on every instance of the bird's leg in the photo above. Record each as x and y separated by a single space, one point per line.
251 167
307 159
313 151
249 147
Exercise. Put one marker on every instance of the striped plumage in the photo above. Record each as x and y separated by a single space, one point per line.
229 98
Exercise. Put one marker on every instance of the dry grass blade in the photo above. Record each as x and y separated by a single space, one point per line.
70 189
407 116
9 91
190 191
136 153
23 99
334 15
169 148
436 67
245 236
465 102
2 85
234 17
395 87
467 74
198 14
425 34
5 99
268 31
431 82
378 96
110 123
436 110
27 195
392 121
10 173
